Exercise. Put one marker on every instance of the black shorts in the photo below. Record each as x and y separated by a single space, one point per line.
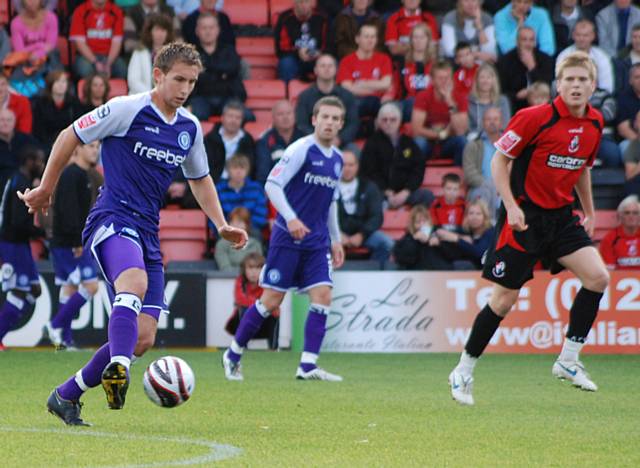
552 234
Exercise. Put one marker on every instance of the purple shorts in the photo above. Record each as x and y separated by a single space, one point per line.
73 270
299 269
117 247
18 267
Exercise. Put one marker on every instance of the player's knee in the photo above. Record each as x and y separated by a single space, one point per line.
321 295
502 302
133 281
598 280
91 288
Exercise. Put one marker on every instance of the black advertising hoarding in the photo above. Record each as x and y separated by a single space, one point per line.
185 325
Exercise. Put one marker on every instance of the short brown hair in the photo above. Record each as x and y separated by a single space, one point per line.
239 160
418 210
451 177
577 59
175 52
153 20
329 101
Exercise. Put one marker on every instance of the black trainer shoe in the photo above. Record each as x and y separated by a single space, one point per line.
115 381
68 411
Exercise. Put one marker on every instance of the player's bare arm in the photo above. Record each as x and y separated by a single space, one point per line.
207 197
500 171
39 199
583 189
297 229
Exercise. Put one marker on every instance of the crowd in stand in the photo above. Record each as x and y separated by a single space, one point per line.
421 82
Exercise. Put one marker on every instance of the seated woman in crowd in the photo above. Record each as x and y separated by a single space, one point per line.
477 237
95 91
228 258
620 248
55 109
157 31
245 293
35 30
486 93
418 249
413 71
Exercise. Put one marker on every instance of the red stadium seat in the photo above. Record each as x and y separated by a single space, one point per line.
395 222
5 14
278 6
255 12
295 88
259 53
263 116
433 177
256 129
183 234
606 220
118 87
206 127
65 51
37 249
263 94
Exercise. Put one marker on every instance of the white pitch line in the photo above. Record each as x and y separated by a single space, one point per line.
218 452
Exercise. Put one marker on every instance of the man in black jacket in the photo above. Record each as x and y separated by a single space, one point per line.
227 36
19 273
219 80
523 66
325 85
394 162
75 269
227 139
360 211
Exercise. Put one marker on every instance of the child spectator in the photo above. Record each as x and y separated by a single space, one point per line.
467 68
538 93
228 258
447 211
417 250
246 292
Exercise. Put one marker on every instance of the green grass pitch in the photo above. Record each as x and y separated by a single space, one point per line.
391 410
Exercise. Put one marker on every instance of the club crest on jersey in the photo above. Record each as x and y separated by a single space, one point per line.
184 140
499 269
508 141
574 145
273 275
6 271
337 168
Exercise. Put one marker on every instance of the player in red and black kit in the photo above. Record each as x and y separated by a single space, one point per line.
544 154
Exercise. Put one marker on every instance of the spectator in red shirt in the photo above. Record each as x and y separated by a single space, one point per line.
300 35
467 68
440 115
401 23
19 105
96 30
620 248
366 73
447 210
413 71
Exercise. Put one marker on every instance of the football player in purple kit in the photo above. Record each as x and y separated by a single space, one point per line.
305 240
145 138
75 269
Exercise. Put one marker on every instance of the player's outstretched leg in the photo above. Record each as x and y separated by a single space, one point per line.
249 325
581 317
314 331
11 311
64 401
123 335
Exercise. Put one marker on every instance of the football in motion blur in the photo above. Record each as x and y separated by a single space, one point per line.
169 381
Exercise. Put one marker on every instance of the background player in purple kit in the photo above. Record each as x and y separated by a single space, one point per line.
145 138
19 274
305 239
75 269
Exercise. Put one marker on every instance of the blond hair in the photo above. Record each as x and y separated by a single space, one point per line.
418 210
576 59
429 51
485 212
494 95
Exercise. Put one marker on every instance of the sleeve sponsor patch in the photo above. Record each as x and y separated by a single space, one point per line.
508 141
86 122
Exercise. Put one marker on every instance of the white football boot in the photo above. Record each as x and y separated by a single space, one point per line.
575 373
54 335
461 387
317 374
232 370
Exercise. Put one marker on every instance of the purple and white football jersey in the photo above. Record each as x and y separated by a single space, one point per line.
309 174
140 152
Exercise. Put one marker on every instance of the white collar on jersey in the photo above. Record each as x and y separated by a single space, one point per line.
161 115
327 151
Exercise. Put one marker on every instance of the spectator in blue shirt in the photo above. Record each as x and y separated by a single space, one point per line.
271 145
522 13
239 190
